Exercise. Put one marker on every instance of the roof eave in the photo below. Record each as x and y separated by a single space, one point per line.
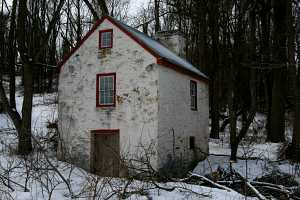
166 63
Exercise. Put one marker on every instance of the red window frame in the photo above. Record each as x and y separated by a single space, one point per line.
111 38
195 107
98 92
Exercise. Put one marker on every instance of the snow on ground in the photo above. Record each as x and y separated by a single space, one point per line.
255 160
44 110
42 181
262 151
254 169
45 183
261 160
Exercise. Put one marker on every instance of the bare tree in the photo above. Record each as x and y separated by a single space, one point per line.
28 57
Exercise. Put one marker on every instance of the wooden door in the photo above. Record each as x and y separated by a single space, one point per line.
107 154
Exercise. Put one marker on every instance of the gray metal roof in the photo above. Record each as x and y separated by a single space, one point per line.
161 50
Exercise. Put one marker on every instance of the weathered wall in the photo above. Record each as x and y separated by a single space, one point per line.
176 119
136 108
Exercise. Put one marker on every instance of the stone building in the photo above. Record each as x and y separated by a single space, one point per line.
122 93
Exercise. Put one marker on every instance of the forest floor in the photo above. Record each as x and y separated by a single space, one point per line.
42 176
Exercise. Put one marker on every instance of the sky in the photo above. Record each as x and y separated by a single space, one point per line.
136 4
133 8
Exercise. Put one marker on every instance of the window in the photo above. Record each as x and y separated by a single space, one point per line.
192 142
193 93
105 39
106 90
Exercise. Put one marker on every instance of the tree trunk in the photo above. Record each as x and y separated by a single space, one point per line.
25 144
214 71
232 125
2 43
279 78
214 111
24 133
156 15
296 133
295 88
233 151
277 108
265 58
90 7
12 56
13 114
103 7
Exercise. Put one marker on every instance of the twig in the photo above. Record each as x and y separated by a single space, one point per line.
211 182
3 177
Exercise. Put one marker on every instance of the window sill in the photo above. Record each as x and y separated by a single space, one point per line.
106 106
100 48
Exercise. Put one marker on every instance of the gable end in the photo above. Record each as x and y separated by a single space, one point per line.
160 60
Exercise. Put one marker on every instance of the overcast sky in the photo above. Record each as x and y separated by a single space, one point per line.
136 4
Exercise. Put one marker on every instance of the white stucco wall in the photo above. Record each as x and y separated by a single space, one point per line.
136 111
177 122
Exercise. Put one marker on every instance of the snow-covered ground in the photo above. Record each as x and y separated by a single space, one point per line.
255 160
44 110
43 182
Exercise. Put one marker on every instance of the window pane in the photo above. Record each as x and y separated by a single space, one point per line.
193 102
106 39
106 90
193 94
109 83
102 97
110 93
109 99
101 83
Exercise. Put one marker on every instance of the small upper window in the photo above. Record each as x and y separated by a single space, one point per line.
105 39
193 94
106 90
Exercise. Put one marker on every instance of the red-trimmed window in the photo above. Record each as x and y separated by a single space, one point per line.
105 39
193 94
106 90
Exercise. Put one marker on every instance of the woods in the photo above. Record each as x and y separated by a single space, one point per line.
249 49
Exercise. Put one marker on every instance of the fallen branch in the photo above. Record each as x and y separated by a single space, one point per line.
251 187
279 187
255 191
270 186
276 190
211 182
230 182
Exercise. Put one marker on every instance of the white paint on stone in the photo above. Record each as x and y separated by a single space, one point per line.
151 101
177 122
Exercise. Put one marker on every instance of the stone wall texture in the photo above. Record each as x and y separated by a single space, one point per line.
152 102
